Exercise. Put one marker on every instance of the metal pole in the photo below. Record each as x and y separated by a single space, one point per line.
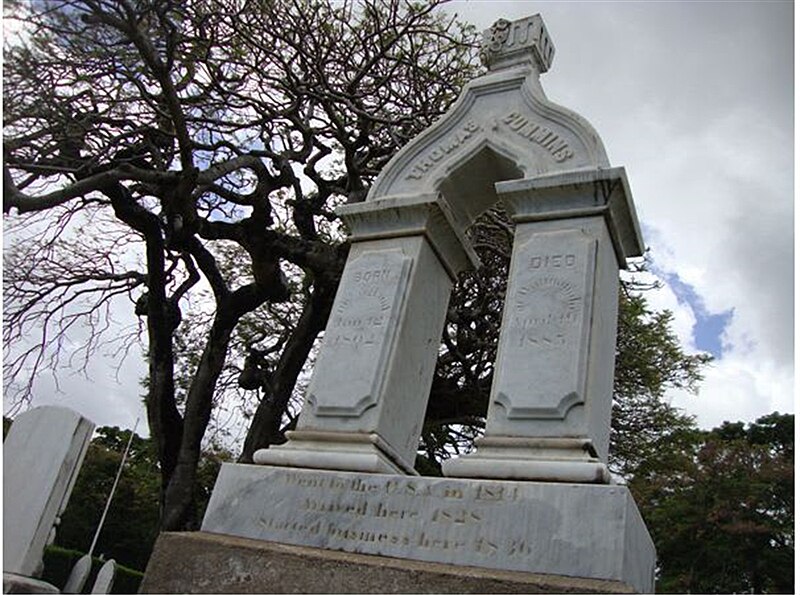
113 488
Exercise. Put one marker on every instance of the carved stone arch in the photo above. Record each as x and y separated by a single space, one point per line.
501 127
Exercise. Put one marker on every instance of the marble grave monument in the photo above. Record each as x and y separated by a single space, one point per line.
535 497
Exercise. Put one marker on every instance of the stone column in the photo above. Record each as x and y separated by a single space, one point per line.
549 415
367 397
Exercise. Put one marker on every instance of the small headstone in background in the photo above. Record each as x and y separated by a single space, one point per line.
80 572
105 578
42 455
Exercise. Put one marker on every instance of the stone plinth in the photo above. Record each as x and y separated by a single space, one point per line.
549 416
208 563
581 531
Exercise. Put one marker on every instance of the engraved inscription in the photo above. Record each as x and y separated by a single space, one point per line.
359 334
543 308
541 135
402 512
443 149
490 524
544 339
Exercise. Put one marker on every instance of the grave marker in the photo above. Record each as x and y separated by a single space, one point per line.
42 455
534 496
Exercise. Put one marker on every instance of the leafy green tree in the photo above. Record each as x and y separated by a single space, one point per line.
649 360
720 508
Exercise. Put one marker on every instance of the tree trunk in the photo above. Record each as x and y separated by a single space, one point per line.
265 427
164 419
179 512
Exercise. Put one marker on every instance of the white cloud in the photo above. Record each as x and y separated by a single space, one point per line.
737 389
108 394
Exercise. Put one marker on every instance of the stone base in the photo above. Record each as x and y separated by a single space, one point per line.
568 460
15 583
346 451
207 563
577 530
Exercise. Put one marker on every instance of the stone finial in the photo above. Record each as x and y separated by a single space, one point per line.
509 43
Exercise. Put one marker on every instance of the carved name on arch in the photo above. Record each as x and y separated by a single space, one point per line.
442 149
539 134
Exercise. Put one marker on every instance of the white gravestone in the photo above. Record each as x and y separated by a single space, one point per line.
79 575
105 578
549 414
42 454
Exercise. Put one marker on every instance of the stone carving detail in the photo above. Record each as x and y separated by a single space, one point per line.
371 300
447 146
507 39
546 321
525 526
493 40
539 134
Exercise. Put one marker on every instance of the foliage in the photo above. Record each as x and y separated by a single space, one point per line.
649 360
59 562
720 508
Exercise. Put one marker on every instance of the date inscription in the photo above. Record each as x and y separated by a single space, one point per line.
400 512
544 340
359 334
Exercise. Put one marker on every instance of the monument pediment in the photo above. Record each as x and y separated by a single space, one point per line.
501 127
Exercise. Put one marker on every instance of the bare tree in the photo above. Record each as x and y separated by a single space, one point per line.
197 125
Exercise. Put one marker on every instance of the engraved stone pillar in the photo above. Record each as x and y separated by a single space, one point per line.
549 416
366 402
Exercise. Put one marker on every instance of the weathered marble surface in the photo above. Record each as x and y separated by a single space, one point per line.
549 416
42 455
200 562
363 323
546 325
588 531
366 402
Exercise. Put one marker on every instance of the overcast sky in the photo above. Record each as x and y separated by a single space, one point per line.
695 100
